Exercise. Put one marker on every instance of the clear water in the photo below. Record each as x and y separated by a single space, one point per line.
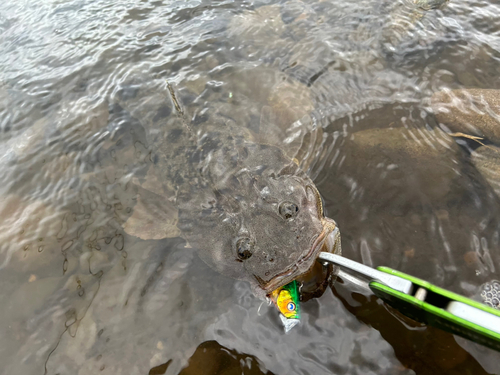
80 294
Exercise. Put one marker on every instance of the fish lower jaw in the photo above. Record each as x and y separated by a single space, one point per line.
328 240
332 243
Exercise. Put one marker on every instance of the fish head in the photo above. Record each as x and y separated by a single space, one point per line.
285 233
263 219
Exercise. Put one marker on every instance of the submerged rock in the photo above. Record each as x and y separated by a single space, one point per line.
470 111
487 161
395 160
30 139
28 227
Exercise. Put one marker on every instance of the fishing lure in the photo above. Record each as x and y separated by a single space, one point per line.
287 300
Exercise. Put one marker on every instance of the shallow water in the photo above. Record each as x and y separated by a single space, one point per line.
84 104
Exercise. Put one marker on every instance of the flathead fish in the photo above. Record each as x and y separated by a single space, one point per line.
247 207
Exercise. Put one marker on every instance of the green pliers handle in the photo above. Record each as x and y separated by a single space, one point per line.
427 303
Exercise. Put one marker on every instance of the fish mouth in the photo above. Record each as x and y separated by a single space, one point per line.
327 241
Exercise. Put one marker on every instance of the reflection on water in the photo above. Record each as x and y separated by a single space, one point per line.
212 358
95 276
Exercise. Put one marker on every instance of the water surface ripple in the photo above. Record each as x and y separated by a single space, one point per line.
95 277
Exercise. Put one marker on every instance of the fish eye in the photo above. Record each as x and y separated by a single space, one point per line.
291 306
244 248
288 210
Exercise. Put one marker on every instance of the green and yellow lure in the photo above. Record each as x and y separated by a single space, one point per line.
287 300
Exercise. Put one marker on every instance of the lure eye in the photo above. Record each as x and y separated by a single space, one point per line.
288 210
244 248
291 306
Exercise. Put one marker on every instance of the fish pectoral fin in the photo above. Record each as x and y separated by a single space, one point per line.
154 217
